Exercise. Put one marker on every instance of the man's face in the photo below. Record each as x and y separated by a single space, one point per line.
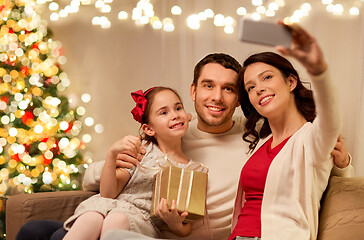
215 97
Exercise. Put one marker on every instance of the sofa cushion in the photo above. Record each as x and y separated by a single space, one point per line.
342 213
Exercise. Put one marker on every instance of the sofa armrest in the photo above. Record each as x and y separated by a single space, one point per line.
342 212
47 205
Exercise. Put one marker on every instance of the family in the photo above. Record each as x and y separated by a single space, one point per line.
267 171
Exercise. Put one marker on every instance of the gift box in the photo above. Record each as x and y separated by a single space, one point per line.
187 187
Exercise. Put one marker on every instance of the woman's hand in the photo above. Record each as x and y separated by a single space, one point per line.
305 49
340 154
173 219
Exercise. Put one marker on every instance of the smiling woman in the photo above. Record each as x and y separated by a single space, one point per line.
108 63
292 149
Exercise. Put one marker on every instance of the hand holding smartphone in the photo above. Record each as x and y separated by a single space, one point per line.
265 33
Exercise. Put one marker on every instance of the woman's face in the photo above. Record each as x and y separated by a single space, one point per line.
269 92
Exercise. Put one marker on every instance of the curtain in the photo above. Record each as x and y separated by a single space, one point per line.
358 155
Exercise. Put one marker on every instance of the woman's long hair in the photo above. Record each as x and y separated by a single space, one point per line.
303 97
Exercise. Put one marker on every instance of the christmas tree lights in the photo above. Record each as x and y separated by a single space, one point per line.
39 143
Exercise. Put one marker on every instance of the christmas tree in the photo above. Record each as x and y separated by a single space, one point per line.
39 144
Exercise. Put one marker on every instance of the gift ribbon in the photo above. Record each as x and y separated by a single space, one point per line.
157 189
195 166
181 186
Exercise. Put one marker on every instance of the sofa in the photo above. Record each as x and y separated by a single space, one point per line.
341 215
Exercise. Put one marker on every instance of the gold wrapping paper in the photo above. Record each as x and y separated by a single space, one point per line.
188 188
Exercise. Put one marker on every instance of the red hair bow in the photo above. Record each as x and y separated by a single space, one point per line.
141 104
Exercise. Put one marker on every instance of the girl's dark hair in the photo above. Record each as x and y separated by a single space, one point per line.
303 97
150 98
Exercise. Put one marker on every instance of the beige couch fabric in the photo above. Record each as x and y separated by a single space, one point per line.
342 212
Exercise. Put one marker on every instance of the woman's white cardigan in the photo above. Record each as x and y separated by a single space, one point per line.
299 173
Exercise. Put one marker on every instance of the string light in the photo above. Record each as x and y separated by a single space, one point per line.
168 25
106 9
354 11
256 16
330 8
229 29
54 16
176 10
193 21
209 13
85 2
219 20
53 6
280 3
143 12
326 2
99 4
241 11
270 13
122 15
257 2
202 16
156 23
228 21
273 6
338 9
261 9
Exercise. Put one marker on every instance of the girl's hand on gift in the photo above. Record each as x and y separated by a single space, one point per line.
173 219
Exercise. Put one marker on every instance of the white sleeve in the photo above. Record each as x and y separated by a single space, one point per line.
327 124
347 171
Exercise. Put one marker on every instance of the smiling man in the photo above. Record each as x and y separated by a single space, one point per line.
214 138
214 92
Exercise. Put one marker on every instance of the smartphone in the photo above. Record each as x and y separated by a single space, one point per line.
263 32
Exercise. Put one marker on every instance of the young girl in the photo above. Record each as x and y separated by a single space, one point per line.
125 195
282 182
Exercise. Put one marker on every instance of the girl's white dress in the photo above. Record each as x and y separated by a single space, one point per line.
135 199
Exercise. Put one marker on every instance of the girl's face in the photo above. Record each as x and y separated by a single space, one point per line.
268 91
167 117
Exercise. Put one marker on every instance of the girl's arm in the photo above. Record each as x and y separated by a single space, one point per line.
113 181
173 219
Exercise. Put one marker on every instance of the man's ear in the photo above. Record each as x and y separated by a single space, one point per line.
148 130
193 91
292 82
189 117
237 102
